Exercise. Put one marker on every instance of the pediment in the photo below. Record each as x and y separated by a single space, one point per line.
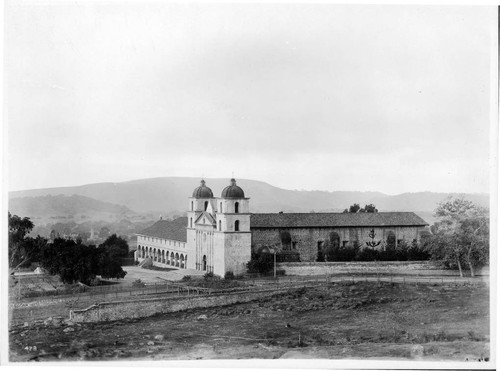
205 218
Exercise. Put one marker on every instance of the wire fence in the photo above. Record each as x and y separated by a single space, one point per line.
33 290
45 306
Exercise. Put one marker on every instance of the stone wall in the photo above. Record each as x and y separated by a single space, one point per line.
307 240
424 268
148 307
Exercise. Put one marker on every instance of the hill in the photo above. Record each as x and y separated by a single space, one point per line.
168 196
61 206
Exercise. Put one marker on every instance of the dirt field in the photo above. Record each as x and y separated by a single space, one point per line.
341 321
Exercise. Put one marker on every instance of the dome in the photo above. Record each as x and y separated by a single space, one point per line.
203 191
233 191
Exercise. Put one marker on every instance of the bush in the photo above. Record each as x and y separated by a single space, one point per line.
321 256
138 283
367 254
210 276
186 278
229 276
261 263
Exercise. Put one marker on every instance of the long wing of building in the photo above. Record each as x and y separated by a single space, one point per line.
219 234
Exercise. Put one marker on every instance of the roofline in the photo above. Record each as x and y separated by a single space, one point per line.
163 238
323 213
341 226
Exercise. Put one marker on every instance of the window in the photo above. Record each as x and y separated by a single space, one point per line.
294 245
344 243
237 225
335 240
191 223
391 240
220 225
192 206
206 205
220 210
236 207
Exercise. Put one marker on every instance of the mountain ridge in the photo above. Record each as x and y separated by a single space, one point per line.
170 194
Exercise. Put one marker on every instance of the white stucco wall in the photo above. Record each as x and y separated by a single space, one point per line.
164 248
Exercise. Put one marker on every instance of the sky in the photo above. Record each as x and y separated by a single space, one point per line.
302 96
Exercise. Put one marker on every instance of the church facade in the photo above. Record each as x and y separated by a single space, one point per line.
219 233
215 238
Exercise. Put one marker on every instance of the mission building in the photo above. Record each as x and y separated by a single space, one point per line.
219 233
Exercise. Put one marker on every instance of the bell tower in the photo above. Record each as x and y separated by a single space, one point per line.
201 200
232 236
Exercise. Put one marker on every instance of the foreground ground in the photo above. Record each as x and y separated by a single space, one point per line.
338 321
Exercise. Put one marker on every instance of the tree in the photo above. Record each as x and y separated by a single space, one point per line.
72 261
332 247
355 208
461 235
75 262
21 249
261 263
474 237
116 246
286 240
107 264
370 208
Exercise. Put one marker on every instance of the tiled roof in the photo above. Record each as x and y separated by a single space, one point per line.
297 220
171 230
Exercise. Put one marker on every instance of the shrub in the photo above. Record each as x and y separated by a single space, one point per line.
417 252
208 275
229 276
186 278
331 253
367 254
138 283
261 263
389 254
321 256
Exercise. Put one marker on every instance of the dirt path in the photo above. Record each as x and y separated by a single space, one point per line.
341 321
